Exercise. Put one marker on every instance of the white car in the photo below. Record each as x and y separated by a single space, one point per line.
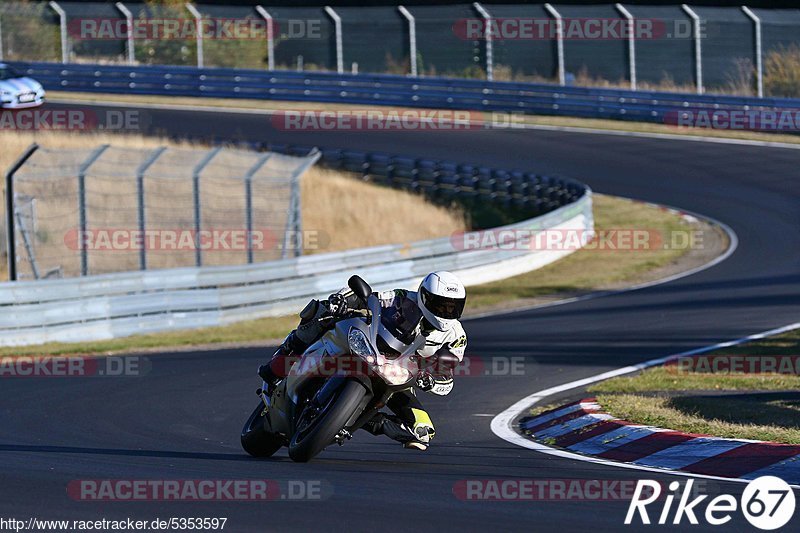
18 91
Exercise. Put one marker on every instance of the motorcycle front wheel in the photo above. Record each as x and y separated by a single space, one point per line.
256 440
317 426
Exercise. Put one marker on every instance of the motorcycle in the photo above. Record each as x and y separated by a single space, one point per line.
312 408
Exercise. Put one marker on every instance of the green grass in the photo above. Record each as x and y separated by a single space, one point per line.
755 418
759 406
581 271
664 379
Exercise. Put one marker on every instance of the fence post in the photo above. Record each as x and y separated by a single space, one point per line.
294 220
1 38
270 37
337 28
248 195
488 36
698 50
631 44
412 38
759 64
129 22
84 168
198 255
11 247
198 21
62 17
562 77
155 154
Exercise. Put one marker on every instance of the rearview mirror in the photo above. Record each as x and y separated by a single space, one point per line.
360 287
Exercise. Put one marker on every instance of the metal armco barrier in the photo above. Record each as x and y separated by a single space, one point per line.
402 91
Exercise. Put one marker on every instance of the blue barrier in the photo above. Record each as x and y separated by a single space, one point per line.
384 89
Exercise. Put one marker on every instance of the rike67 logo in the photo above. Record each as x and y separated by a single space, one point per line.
767 503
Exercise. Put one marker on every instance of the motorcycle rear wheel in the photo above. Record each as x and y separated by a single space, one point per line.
310 440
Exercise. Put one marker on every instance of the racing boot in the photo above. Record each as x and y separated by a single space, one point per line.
417 438
278 367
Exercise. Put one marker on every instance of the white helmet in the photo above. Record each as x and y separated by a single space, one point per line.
441 299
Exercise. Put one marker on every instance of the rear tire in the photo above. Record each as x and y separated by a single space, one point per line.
256 440
326 426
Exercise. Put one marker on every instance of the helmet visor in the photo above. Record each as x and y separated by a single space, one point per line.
442 306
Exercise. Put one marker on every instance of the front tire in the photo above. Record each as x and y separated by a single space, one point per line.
256 440
307 442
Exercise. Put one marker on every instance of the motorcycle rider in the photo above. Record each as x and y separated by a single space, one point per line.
433 311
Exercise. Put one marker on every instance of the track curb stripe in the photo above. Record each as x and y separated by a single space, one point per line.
590 431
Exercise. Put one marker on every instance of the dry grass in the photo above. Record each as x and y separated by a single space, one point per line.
782 72
367 215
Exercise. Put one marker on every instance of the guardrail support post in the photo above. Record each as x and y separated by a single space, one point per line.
698 47
198 21
337 28
487 18
11 245
562 76
412 38
84 168
248 196
62 17
198 255
129 44
140 172
631 44
270 37
759 62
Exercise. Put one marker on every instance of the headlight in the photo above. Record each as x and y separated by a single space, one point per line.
358 342
394 374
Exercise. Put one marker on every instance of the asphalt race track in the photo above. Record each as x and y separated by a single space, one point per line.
182 419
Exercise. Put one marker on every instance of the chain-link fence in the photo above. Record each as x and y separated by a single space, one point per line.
674 47
108 209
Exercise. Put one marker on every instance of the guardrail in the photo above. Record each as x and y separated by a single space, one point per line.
381 89
117 305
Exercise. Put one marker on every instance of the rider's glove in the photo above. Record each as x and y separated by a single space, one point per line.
337 303
435 384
